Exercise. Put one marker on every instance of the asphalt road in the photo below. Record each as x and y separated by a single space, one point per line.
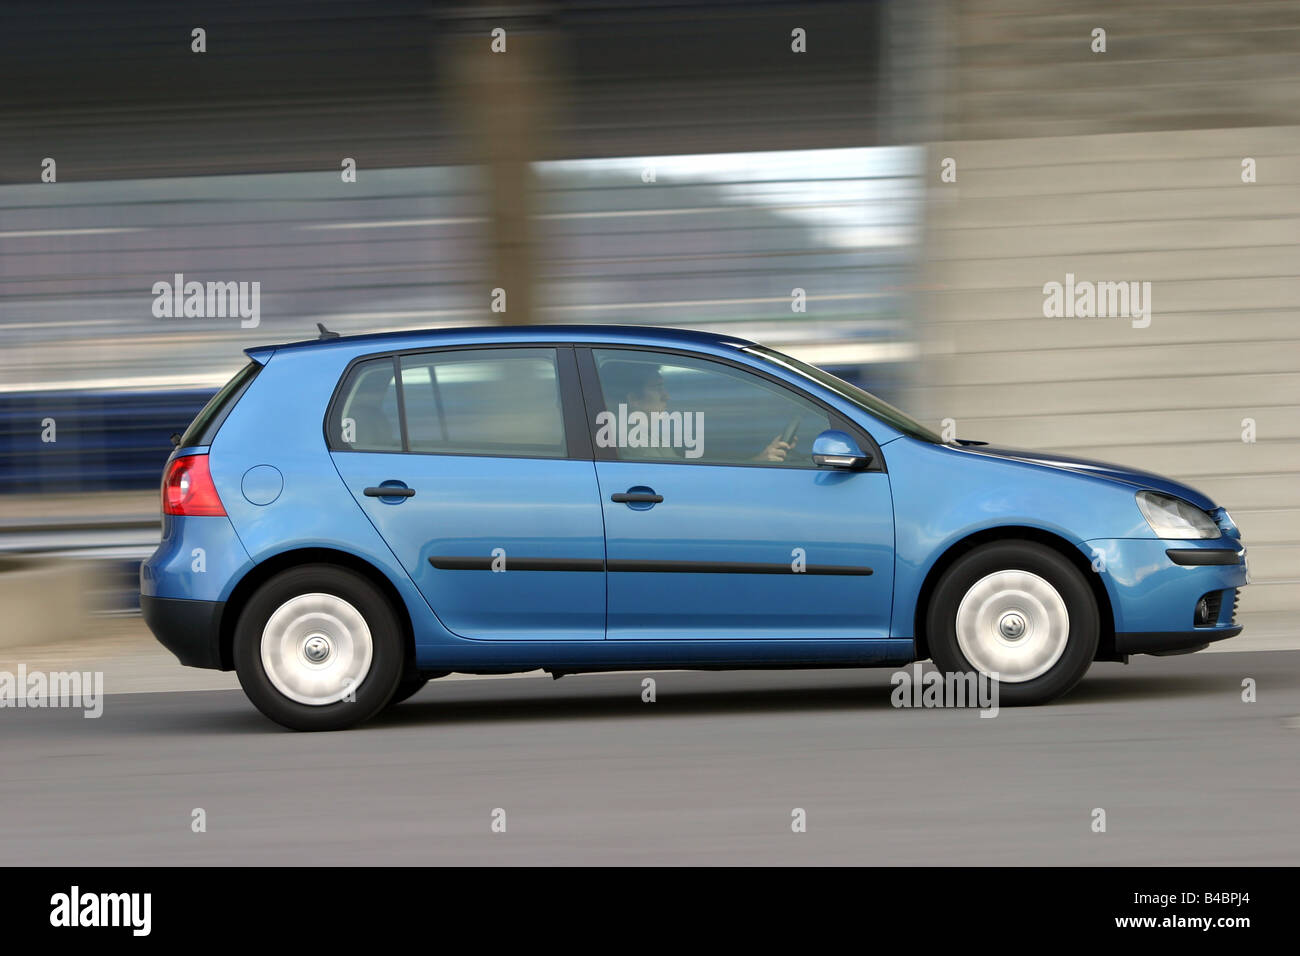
710 773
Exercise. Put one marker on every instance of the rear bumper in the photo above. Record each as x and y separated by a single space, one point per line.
189 629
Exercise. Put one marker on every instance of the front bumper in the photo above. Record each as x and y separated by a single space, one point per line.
1155 587
189 629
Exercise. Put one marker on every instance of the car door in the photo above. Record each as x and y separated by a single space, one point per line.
706 535
475 467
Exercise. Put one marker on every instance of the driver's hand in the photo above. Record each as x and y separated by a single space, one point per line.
776 449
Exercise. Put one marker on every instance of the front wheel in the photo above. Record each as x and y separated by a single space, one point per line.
1019 612
318 647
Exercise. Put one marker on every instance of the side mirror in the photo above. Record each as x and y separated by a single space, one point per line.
837 449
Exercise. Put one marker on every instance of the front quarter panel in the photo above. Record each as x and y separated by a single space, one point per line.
943 495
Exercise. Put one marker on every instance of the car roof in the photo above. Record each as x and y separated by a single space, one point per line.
498 334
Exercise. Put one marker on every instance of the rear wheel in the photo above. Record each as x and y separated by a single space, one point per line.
1017 611
318 647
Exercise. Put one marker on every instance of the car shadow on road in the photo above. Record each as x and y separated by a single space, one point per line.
503 701
1107 682
1097 689
428 707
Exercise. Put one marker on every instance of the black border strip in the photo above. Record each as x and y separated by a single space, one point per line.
1192 557
484 563
733 567
401 404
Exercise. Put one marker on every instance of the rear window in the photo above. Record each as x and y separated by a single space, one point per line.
204 427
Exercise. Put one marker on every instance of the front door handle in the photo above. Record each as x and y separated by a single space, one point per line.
390 491
625 496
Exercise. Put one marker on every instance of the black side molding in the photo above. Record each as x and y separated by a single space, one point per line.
1203 556
484 563
733 567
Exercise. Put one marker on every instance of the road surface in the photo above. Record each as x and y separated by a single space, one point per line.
711 772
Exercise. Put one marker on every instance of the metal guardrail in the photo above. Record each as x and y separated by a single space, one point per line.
90 441
103 441
130 537
117 545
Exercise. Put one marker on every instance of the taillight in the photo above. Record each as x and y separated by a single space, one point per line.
188 488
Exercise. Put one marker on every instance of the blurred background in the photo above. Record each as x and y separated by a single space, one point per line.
672 164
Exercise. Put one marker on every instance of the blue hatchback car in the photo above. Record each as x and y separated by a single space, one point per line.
352 516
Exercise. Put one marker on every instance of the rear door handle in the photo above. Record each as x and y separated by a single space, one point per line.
623 497
390 491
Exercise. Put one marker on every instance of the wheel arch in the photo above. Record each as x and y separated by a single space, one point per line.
1106 612
263 571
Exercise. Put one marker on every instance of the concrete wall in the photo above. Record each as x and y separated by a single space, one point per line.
1026 68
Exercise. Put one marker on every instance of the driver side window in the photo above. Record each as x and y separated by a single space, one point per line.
663 407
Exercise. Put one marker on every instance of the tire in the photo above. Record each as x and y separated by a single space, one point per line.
319 647
1018 609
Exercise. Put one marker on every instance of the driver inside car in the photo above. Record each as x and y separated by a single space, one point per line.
640 386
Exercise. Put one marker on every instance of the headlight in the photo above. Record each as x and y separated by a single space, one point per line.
1172 517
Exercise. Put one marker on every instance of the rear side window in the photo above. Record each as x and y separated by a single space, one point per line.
484 402
366 416
489 402
206 423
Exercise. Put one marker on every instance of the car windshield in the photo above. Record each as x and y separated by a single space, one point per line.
863 399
